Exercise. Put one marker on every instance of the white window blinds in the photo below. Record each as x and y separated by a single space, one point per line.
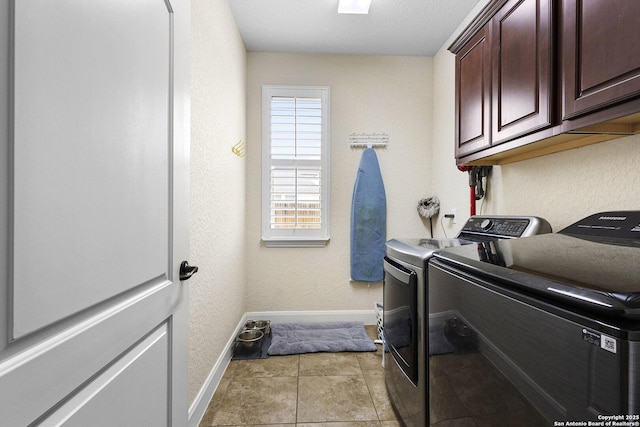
296 128
295 165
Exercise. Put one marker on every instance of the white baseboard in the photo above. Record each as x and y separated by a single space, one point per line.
200 403
204 396
368 317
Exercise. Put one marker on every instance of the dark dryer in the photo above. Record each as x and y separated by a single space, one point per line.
406 331
540 330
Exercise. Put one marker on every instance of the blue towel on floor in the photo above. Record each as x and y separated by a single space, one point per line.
368 221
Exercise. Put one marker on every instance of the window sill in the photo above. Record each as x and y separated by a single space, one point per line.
295 243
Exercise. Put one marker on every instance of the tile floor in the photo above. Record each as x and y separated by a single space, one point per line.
308 390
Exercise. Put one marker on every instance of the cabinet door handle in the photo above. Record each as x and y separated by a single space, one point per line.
186 270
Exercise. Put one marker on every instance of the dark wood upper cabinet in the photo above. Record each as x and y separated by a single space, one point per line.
562 74
601 54
473 92
521 65
503 76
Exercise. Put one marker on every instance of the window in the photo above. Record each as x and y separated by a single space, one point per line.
295 165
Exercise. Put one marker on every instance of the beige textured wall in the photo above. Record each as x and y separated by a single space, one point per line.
368 94
571 185
218 77
561 188
449 184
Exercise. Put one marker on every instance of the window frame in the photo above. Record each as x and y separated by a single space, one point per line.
296 237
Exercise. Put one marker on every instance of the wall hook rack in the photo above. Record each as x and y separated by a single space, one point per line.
368 140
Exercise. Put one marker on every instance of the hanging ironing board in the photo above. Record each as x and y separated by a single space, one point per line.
368 221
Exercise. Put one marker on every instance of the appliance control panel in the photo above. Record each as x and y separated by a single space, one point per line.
615 224
504 226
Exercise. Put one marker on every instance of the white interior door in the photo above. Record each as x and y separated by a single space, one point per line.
93 212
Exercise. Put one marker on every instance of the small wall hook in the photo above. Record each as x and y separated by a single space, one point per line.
239 149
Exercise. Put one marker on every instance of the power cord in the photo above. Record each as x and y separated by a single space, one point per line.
442 225
486 194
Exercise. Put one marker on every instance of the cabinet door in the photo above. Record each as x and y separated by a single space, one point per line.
601 54
473 94
521 55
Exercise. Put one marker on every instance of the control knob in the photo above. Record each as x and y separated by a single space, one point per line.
486 224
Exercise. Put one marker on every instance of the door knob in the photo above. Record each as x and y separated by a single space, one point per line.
186 270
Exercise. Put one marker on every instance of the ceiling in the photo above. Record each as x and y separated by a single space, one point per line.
392 27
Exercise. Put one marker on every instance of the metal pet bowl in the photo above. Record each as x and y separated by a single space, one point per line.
260 325
250 338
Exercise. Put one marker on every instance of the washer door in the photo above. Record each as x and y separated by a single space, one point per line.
400 317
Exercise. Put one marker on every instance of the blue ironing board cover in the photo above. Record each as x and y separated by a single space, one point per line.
368 221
